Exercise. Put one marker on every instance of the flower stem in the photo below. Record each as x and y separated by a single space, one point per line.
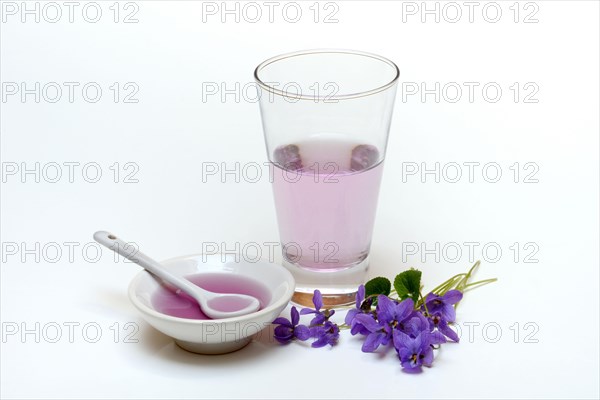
460 282
422 302
463 283
473 285
449 284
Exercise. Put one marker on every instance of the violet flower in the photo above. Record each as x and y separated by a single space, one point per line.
378 333
436 321
320 316
418 351
362 307
443 305
413 352
393 313
326 334
389 316
441 312
416 324
288 330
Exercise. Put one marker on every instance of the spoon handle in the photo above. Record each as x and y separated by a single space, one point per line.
128 251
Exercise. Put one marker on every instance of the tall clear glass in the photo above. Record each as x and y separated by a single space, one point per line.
326 117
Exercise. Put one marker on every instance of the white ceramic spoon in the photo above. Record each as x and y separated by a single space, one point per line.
214 305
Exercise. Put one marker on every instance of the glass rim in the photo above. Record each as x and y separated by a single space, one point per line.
364 93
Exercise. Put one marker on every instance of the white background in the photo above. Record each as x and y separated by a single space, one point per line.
171 54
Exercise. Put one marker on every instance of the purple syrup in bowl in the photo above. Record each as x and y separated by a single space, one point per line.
166 301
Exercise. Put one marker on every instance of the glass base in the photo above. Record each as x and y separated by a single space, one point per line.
338 288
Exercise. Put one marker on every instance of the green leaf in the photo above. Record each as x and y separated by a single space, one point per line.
378 285
408 284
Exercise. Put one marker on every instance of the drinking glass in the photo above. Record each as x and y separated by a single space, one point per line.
326 117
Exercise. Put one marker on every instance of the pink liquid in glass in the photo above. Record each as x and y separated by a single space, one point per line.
326 198
166 301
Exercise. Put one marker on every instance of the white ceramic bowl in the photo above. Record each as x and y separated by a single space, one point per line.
215 336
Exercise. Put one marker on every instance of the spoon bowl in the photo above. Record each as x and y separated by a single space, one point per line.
214 305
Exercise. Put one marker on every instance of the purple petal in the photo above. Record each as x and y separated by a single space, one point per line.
452 296
350 316
402 341
449 332
359 328
428 359
302 332
411 368
283 331
431 324
317 299
424 322
315 331
408 363
404 309
360 296
372 342
404 353
320 342
282 321
368 322
430 297
305 311
436 338
332 339
448 313
387 334
283 334
331 326
414 326
385 308
295 316
418 342
318 319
